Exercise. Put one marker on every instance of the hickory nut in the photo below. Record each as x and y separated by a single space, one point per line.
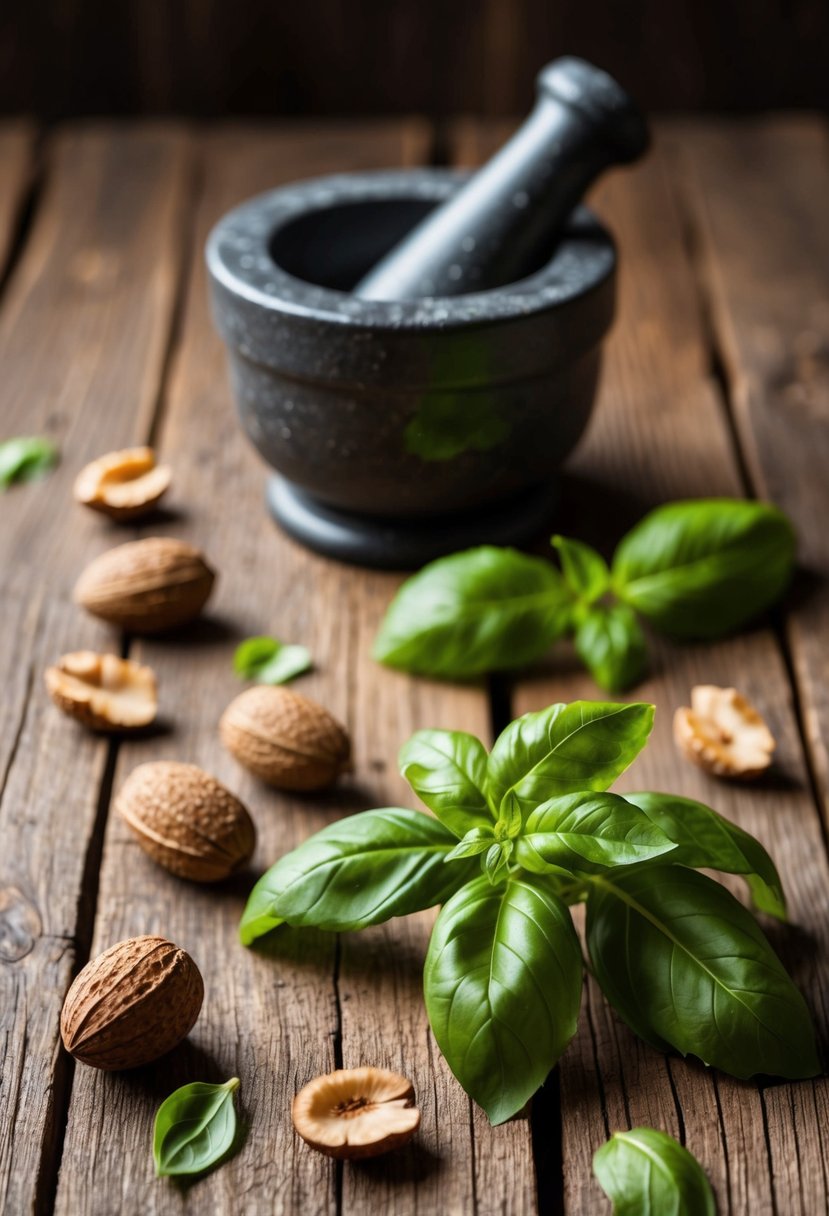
131 1004
146 585
284 738
102 691
356 1112
123 485
186 820
723 733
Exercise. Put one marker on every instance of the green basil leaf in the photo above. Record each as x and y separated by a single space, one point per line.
704 838
447 770
588 832
497 860
270 662
585 571
502 983
686 965
610 642
194 1128
510 817
486 609
702 568
359 871
565 749
25 458
647 1173
476 840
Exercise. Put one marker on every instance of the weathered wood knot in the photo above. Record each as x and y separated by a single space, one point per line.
20 925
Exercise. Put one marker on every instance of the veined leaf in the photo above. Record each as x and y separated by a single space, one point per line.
447 770
585 571
194 1128
588 832
645 1172
610 642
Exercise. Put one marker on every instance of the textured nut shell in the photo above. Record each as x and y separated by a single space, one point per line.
103 691
132 1004
186 820
123 485
723 733
146 585
356 1112
284 738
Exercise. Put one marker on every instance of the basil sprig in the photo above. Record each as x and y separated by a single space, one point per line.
696 569
647 1173
194 1129
25 459
518 836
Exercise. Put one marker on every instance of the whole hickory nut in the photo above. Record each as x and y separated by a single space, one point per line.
186 820
132 1004
723 733
123 485
102 691
356 1112
286 739
146 586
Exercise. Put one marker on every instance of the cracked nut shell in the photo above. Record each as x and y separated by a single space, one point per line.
102 691
186 820
146 585
356 1112
123 485
723 733
286 739
132 1004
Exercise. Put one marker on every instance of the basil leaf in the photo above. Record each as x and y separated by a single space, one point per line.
25 458
686 965
704 838
447 770
194 1128
588 832
497 860
565 749
482 610
700 569
610 642
647 1173
476 840
359 871
270 662
502 983
585 571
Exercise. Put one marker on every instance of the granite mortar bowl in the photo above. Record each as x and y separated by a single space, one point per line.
400 431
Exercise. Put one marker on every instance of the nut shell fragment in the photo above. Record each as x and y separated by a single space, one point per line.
103 691
123 485
286 739
186 820
132 1004
723 733
146 585
356 1112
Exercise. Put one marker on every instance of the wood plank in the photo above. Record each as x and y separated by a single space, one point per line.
59 377
17 147
659 433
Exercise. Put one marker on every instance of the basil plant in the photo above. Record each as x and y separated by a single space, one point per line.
517 837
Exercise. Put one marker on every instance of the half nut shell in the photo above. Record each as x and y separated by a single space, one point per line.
356 1112
146 585
186 820
123 485
102 691
723 733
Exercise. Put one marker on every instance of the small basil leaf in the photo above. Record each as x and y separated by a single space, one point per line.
194 1128
25 458
502 984
447 770
486 609
704 838
270 662
359 871
585 571
588 832
610 642
686 965
510 817
700 569
497 860
476 840
566 749
647 1173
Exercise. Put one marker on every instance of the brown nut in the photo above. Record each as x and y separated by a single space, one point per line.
123 485
286 739
131 1004
186 820
356 1112
146 585
102 691
723 733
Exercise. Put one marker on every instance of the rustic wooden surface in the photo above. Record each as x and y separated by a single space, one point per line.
715 382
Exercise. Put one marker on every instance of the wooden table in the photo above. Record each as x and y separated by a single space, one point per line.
716 382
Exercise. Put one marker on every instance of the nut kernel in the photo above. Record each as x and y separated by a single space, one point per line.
123 485
723 733
356 1112
103 691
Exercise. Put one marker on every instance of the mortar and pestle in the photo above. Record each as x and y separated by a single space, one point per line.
416 352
